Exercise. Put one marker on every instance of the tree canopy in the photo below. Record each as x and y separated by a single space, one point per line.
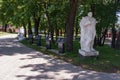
54 16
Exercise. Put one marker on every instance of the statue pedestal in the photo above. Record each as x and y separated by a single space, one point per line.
21 37
91 53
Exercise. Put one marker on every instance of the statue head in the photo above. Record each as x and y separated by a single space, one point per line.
90 14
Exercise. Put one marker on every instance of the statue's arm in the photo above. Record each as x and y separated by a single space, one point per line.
87 22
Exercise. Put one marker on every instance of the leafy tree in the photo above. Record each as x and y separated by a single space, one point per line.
106 17
6 13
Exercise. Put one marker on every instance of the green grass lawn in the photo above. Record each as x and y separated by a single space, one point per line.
108 60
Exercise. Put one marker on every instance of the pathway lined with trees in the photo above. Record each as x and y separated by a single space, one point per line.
19 62
60 18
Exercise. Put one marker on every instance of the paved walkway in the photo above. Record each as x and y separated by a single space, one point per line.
18 62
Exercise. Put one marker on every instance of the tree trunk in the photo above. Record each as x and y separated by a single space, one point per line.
101 39
50 31
50 26
118 41
25 33
113 37
5 28
57 33
36 26
52 34
70 25
36 23
29 27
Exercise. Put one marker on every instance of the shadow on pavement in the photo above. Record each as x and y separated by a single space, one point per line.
54 69
43 67
10 46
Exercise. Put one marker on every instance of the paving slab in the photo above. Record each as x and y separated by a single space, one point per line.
18 62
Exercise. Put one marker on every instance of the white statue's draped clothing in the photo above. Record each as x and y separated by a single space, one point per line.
88 33
21 34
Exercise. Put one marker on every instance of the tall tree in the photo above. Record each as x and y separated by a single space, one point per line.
105 14
70 24
6 12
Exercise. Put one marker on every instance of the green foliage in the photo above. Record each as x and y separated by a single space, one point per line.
6 11
106 16
58 13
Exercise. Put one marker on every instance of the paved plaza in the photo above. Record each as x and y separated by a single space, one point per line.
18 62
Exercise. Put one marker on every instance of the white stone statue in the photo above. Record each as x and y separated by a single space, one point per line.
21 34
22 30
88 32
